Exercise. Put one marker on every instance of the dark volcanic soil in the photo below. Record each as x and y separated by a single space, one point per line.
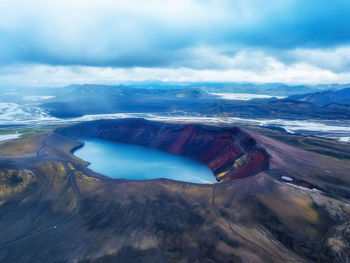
54 209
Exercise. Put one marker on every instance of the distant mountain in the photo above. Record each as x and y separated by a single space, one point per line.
273 89
89 99
325 97
92 90
280 109
78 100
147 89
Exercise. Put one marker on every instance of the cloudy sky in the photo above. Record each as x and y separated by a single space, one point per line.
53 43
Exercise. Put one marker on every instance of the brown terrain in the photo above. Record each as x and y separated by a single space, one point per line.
54 209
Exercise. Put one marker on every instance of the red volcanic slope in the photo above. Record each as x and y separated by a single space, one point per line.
230 152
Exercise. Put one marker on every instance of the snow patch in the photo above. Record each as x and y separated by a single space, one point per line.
9 136
244 96
287 178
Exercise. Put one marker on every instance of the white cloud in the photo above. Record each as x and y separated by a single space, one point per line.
58 42
335 59
205 57
43 75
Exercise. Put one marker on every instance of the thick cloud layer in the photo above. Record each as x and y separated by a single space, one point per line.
251 36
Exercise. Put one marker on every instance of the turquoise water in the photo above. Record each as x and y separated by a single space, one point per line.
139 163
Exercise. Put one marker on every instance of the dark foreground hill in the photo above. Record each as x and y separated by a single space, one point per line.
54 209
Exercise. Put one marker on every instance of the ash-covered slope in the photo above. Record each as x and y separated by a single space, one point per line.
230 152
54 209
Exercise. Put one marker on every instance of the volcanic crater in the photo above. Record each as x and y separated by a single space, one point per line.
229 152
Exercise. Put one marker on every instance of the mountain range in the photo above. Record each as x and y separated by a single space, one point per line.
79 100
325 97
